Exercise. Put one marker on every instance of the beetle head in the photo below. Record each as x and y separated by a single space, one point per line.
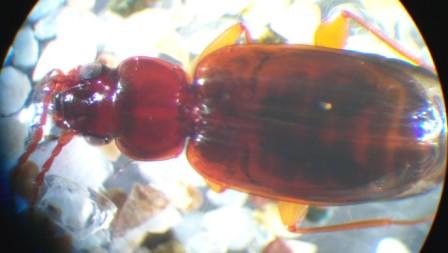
84 100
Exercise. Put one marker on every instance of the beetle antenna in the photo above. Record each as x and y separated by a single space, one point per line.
388 41
48 84
362 224
51 84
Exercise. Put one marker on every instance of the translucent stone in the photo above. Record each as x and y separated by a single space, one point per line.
78 162
78 210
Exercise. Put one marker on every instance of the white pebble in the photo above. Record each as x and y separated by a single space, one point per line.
78 161
81 212
77 37
79 25
138 34
226 198
203 242
233 226
64 55
46 27
12 139
15 87
44 7
186 173
261 14
26 48
188 227
81 4
298 23
209 11
391 245
298 246
165 174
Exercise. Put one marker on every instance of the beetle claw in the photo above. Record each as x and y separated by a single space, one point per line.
291 213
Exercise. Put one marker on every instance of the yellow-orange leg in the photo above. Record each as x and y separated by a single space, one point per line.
293 213
334 34
229 37
361 224
216 187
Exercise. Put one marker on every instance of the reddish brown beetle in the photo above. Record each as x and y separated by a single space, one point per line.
300 124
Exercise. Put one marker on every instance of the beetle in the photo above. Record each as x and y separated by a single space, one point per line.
300 124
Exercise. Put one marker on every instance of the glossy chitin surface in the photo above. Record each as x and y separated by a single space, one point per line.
151 126
315 125
86 101
289 122
137 104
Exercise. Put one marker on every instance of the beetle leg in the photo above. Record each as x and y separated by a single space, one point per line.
334 34
215 186
291 213
362 224
37 137
51 82
229 37
63 140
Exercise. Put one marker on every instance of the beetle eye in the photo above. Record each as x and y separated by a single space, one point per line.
97 141
90 71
